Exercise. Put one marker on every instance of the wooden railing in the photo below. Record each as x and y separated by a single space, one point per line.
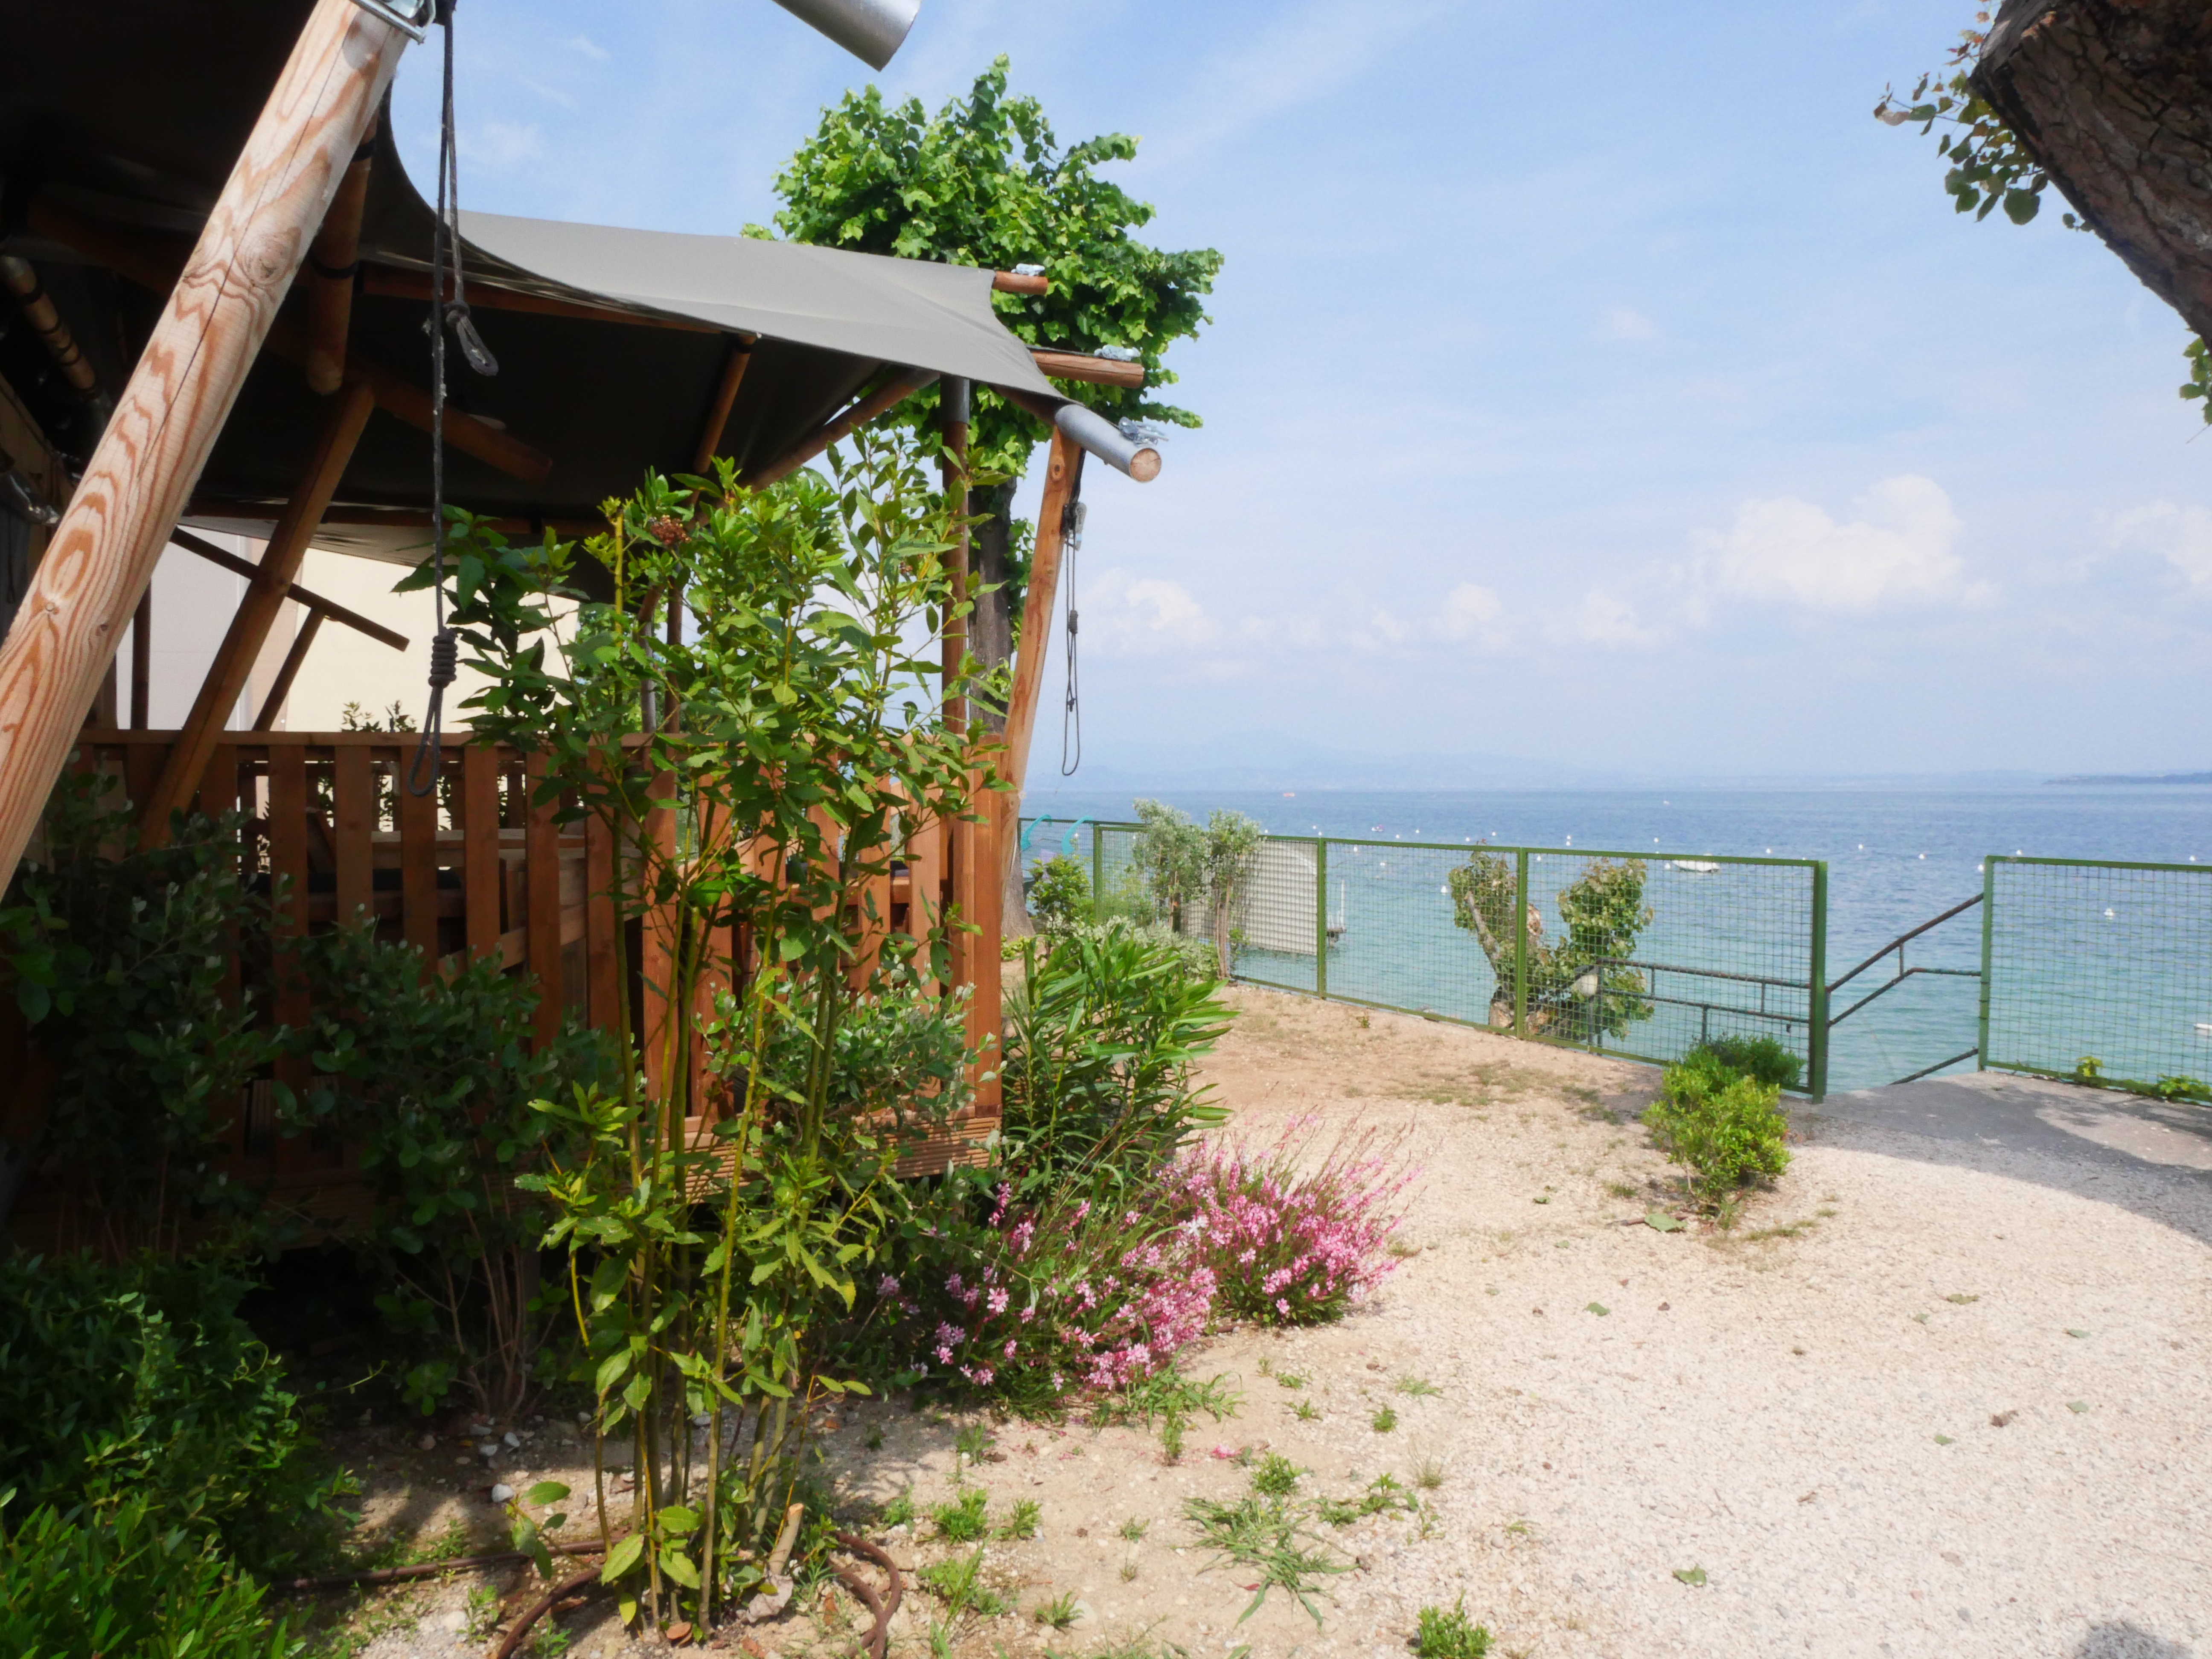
476 869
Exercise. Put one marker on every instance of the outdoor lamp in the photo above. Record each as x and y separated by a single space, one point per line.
872 30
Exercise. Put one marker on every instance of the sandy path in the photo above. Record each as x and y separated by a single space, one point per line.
1765 1407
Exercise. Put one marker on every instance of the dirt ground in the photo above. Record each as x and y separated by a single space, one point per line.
1926 1397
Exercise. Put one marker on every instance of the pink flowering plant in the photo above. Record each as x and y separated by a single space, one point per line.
1290 1239
1072 1297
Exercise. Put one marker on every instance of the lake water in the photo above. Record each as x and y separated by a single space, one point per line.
1896 857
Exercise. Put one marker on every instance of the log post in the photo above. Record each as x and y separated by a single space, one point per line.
726 400
257 611
330 265
272 701
141 662
140 476
960 835
1063 478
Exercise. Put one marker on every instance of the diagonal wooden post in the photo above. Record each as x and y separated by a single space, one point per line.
257 611
136 486
1063 478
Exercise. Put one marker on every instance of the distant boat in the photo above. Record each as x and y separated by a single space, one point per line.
1696 866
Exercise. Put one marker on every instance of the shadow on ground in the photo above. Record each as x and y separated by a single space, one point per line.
2125 1641
2079 1140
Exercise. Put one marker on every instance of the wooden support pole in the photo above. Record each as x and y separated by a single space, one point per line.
20 279
102 553
330 264
141 661
1096 371
953 404
271 704
896 389
726 400
1063 478
258 610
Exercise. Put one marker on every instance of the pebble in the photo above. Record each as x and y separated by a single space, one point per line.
502 1493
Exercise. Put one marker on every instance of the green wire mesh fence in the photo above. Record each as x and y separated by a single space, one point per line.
1628 954
2097 970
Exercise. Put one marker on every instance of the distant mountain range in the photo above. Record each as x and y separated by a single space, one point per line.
2138 777
1272 761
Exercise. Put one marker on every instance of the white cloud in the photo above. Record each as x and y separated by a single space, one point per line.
1603 619
503 143
1898 550
589 47
2180 535
1622 324
1473 612
1144 616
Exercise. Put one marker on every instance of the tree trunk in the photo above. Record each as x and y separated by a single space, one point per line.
991 640
2114 97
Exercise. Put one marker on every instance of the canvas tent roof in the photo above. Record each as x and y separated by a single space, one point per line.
138 144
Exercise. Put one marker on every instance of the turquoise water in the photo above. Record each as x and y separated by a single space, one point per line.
1895 857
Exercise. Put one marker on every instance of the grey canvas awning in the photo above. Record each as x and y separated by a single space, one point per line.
612 344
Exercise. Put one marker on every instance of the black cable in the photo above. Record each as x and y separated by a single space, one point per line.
1071 712
445 262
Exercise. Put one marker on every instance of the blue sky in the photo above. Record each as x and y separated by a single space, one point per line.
1598 382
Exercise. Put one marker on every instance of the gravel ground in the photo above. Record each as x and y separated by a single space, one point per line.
1928 1397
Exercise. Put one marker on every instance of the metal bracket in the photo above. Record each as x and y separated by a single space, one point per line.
410 25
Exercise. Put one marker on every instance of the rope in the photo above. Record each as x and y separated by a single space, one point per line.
1071 710
454 313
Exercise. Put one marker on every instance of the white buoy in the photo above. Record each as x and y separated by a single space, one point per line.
2108 913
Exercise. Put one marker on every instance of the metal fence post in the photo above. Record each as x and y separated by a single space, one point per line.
1521 944
1097 868
1989 926
1816 981
1321 917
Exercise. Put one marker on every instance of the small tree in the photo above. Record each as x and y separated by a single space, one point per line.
984 182
1577 984
1197 876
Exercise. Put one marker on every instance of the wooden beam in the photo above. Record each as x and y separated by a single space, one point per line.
331 263
1020 282
153 263
1081 366
257 611
394 283
141 661
265 719
299 595
718 412
896 389
102 553
19 279
1063 478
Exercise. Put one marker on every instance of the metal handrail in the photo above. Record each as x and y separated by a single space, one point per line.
1898 944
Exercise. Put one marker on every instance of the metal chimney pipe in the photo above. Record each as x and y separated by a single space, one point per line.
872 30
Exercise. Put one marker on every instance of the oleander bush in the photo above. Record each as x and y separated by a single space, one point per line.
1767 1059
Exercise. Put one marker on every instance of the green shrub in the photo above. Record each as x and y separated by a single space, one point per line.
143 1382
1101 1039
1765 1058
120 960
432 1078
1060 896
1449 1634
85 1584
1726 1129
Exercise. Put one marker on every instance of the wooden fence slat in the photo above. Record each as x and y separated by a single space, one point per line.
287 922
659 940
984 1019
480 765
353 821
418 870
541 850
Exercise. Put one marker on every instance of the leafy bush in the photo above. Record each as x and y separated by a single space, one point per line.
1100 1043
1286 1245
143 1382
86 1584
1196 878
432 1076
1765 1058
1060 896
1726 1128
120 960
